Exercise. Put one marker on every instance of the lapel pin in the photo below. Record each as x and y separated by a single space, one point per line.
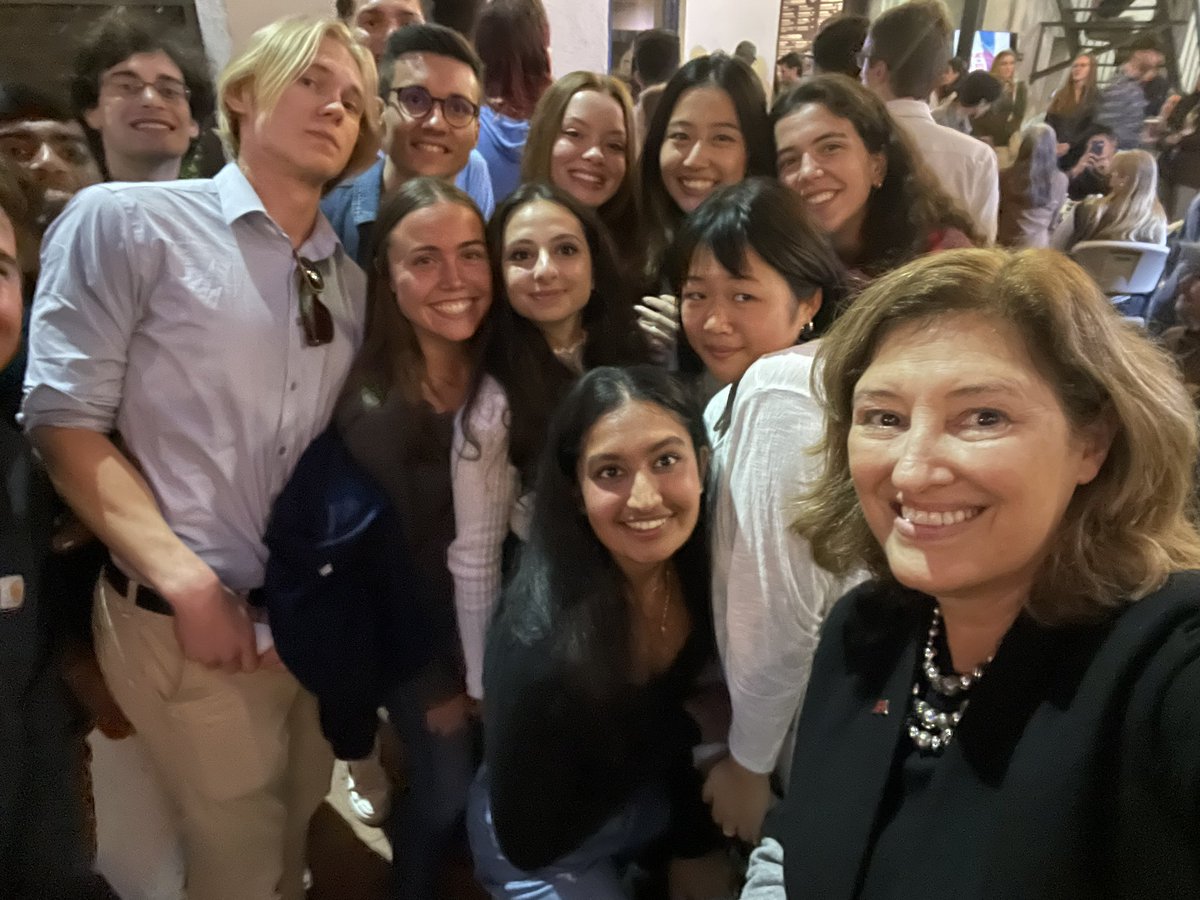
880 708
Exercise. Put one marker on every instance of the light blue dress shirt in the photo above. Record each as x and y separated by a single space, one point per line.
170 313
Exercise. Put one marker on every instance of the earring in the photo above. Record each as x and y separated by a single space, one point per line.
807 331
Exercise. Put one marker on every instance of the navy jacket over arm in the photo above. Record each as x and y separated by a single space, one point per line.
342 593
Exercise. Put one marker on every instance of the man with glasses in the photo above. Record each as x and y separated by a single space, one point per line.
902 60
211 323
141 97
429 80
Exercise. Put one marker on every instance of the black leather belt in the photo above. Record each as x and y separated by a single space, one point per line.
151 600
147 599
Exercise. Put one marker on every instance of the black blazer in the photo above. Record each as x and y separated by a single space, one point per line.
1074 774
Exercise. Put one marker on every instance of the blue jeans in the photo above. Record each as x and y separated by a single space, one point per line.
590 872
427 816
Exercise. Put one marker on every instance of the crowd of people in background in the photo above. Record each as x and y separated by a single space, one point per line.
661 463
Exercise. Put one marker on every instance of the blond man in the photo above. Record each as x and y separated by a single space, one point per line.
211 324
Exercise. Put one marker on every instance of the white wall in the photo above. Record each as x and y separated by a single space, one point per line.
710 25
226 25
578 35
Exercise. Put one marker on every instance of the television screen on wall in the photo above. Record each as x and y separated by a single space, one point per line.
986 45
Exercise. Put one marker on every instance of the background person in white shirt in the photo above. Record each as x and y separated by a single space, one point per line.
903 59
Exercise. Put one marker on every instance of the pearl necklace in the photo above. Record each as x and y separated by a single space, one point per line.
931 724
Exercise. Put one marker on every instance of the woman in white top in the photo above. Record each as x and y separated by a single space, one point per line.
562 306
757 277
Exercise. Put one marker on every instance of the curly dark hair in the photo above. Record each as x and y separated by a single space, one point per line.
909 206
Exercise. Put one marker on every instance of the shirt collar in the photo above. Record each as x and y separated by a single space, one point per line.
910 108
238 199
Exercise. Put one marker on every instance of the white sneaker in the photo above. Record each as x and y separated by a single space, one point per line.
370 790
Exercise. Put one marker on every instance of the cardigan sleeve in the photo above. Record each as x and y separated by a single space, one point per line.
485 486
777 597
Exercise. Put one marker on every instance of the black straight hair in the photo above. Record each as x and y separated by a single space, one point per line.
518 355
426 38
567 585
762 215
661 215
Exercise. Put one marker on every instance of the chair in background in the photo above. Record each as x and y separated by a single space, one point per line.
1127 271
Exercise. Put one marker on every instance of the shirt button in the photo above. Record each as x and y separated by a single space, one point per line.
292 386
282 450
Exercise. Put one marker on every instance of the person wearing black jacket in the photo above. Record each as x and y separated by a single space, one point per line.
595 653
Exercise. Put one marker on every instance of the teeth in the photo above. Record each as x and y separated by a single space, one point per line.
817 199
431 148
921 517
646 524
452 307
698 184
595 180
157 126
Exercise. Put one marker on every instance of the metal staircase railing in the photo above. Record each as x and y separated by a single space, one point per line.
1110 25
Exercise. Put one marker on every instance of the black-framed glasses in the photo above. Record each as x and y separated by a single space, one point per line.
417 103
128 85
315 318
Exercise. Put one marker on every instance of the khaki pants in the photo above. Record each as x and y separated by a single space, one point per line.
241 756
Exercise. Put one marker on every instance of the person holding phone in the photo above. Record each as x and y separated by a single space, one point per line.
1089 175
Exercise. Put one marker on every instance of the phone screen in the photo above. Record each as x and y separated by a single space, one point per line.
1096 148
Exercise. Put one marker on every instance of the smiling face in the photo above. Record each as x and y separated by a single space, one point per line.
312 130
731 320
822 158
588 158
640 481
438 269
703 147
547 269
429 146
142 124
963 459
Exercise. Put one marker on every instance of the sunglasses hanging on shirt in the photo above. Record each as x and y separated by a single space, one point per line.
315 318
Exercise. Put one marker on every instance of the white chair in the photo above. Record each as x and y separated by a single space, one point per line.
1122 267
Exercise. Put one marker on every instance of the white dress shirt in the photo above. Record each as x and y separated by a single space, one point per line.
965 167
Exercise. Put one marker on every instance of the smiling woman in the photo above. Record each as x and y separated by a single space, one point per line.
601 636
1015 466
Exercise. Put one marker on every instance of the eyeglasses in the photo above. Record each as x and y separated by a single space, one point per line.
315 317
172 90
417 103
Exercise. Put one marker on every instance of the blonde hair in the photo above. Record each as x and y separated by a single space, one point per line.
277 54
1123 532
1130 212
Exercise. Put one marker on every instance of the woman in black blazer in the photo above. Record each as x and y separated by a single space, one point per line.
1011 707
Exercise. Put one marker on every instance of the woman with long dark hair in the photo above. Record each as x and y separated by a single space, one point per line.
710 129
755 279
430 299
859 179
561 309
603 631
1072 109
